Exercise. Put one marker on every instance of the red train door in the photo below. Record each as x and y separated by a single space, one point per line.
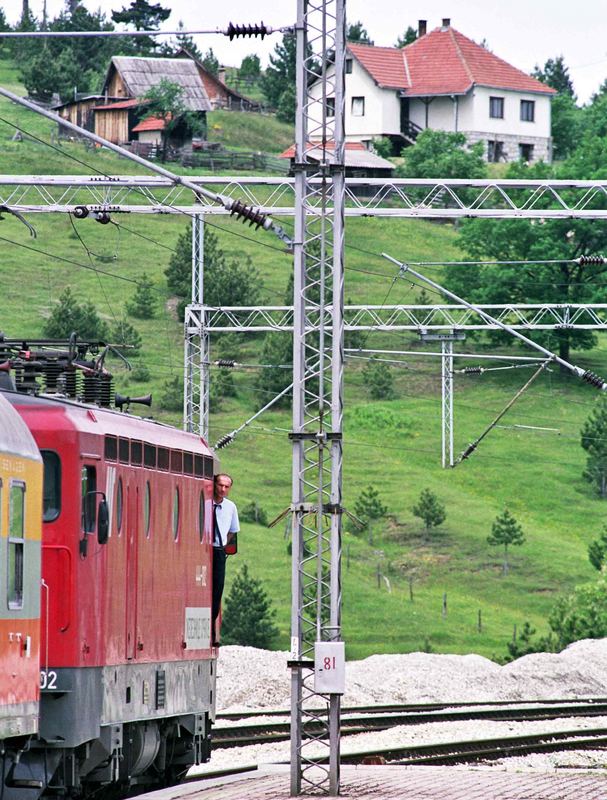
132 577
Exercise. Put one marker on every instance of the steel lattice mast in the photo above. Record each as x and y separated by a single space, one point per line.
317 389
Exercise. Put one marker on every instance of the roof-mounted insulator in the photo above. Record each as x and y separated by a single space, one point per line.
224 441
593 379
102 216
472 370
236 31
591 260
81 212
247 213
225 362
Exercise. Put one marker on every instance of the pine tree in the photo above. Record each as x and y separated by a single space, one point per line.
356 32
247 617
210 62
125 338
226 282
506 531
430 509
378 379
597 550
369 508
594 442
69 316
171 398
276 350
143 302
408 37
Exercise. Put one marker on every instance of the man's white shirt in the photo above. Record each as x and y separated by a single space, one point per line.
226 514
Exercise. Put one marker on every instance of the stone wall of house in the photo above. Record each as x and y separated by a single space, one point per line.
510 146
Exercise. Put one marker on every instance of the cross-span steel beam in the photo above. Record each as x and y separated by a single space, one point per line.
540 316
385 197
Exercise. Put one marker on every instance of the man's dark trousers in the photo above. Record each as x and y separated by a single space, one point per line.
219 577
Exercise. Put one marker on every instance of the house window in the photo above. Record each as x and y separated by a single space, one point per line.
528 110
495 150
358 106
330 106
496 107
348 66
525 152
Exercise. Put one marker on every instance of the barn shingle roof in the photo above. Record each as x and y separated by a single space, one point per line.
141 74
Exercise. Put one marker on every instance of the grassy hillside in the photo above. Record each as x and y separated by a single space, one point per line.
393 446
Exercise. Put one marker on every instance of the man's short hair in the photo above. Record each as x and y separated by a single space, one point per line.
223 475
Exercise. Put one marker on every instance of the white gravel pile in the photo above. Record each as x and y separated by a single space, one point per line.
259 679
251 679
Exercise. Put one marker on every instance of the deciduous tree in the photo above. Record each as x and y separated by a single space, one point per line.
442 154
166 100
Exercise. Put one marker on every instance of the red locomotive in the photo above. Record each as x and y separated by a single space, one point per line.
127 671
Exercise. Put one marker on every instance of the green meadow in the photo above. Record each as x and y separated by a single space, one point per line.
394 586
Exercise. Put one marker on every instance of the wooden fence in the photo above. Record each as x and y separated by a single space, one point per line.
236 161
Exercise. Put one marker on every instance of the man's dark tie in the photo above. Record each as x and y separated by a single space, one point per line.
216 534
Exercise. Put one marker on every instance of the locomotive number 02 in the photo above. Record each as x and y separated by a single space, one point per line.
48 679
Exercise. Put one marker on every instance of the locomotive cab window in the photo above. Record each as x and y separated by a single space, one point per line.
51 506
111 448
89 496
16 541
136 453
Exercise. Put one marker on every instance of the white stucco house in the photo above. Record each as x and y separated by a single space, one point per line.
445 81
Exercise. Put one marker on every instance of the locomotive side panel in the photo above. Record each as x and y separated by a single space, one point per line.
20 503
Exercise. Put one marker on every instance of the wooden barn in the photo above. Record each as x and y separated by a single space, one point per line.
129 79
115 121
79 112
220 95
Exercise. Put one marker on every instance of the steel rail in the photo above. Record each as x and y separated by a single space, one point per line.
409 707
243 735
459 752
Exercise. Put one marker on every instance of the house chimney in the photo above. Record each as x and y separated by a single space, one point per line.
446 23
221 74
421 28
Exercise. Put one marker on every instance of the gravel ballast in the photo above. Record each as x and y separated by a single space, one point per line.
251 679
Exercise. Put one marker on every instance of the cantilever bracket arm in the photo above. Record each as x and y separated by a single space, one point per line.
586 375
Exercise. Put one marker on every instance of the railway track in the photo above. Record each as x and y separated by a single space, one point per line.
475 750
367 719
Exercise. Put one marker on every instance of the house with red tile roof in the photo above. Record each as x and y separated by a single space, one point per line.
445 81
